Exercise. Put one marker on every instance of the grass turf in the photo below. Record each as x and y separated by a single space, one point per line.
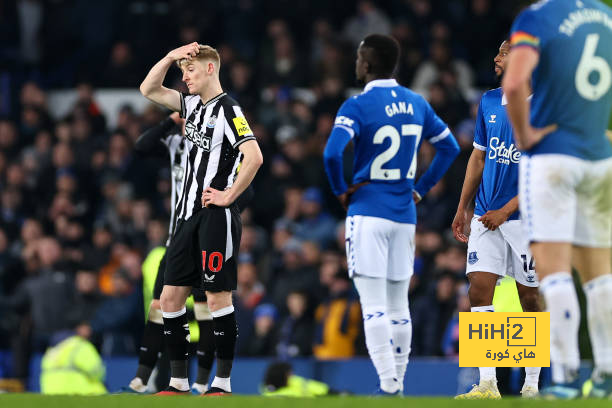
138 401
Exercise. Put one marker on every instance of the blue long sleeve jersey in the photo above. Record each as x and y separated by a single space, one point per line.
387 123
572 84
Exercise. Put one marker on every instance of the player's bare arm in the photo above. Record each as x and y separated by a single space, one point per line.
152 87
492 219
521 63
251 162
473 177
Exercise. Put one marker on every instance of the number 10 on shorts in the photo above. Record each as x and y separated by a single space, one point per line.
214 261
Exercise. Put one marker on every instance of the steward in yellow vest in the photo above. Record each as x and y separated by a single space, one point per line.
279 381
73 366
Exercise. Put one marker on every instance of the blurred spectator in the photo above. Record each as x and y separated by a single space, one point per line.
338 320
431 314
465 129
250 292
293 273
11 273
322 31
45 298
98 252
295 332
86 107
86 300
330 97
369 20
283 68
8 138
32 95
411 53
263 339
450 338
156 234
241 85
253 241
315 224
10 266
293 203
484 29
440 58
437 209
452 259
117 322
121 71
10 217
419 14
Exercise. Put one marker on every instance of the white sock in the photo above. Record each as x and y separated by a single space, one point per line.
562 303
181 384
401 325
599 314
486 373
377 329
532 376
137 385
201 388
223 383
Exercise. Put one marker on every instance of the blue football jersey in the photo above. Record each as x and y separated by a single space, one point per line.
387 123
493 135
572 82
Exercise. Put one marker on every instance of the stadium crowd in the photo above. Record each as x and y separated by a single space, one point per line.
81 209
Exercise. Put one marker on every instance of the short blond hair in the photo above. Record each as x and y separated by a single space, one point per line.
207 53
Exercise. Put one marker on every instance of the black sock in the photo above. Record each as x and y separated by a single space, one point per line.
225 332
176 332
152 343
206 350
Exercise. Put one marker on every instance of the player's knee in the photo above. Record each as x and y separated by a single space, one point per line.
169 302
480 295
530 301
201 311
218 300
155 313
397 309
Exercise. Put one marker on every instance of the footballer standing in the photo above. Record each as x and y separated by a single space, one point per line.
222 162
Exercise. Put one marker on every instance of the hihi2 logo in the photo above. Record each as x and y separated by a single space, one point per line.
504 339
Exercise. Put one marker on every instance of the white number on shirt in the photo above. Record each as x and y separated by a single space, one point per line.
388 131
589 62
413 130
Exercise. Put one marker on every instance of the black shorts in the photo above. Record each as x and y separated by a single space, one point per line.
198 294
204 250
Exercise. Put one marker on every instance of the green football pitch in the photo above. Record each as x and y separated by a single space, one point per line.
136 401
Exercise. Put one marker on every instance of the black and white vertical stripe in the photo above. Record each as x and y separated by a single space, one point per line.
213 157
178 149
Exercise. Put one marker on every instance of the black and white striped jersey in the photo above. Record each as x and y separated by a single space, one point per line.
215 129
178 148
